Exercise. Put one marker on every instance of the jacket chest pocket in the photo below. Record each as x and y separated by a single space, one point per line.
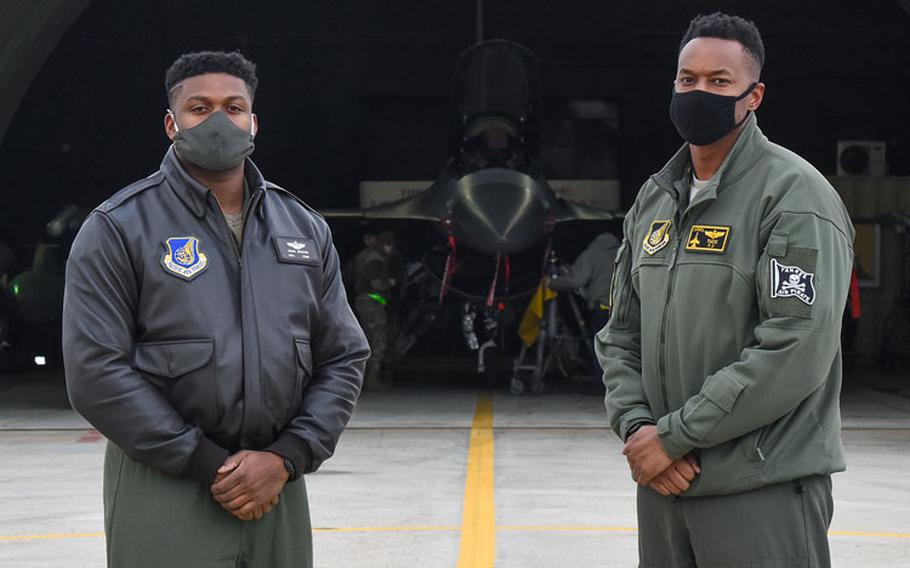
183 371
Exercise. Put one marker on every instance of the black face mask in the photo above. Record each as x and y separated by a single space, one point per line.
701 117
215 144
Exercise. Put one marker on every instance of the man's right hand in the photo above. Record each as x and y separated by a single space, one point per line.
256 513
676 479
244 485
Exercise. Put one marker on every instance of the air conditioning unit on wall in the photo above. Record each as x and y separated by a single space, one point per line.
861 158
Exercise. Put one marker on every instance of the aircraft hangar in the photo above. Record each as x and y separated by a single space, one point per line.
496 139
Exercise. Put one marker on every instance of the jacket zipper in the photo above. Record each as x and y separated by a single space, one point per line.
244 432
671 268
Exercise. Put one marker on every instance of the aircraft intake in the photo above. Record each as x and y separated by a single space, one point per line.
498 211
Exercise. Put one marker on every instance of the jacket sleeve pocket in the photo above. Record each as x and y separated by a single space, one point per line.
702 413
173 359
722 391
620 286
777 243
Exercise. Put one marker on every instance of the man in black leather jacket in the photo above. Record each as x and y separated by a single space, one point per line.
207 335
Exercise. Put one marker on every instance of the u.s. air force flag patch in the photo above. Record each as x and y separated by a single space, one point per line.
657 237
184 258
792 282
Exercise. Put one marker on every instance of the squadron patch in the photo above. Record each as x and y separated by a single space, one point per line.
708 238
658 236
792 282
184 258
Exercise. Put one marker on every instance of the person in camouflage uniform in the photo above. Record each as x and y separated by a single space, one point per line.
372 284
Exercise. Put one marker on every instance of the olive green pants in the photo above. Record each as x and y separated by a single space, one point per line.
153 520
778 526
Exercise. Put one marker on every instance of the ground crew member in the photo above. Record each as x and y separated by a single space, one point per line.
208 337
372 287
722 359
590 275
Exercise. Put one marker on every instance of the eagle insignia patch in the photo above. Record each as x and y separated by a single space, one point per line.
708 238
792 282
184 258
658 236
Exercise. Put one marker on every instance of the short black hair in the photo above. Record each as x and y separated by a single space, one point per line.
202 62
725 26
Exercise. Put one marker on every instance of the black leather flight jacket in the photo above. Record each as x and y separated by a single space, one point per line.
181 347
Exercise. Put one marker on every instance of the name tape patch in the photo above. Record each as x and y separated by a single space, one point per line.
297 250
792 282
708 238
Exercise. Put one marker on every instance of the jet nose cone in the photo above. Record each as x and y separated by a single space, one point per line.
498 210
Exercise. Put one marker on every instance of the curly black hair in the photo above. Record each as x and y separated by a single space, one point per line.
202 62
726 26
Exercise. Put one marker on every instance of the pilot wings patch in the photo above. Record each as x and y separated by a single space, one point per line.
792 282
184 257
708 238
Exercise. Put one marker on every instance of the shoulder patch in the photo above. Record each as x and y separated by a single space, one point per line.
657 237
708 238
792 282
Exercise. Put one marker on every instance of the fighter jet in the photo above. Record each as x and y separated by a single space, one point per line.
492 210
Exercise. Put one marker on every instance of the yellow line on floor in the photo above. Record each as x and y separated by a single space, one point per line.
872 534
50 536
385 529
443 528
478 527
564 528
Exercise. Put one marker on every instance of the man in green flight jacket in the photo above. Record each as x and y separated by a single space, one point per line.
722 358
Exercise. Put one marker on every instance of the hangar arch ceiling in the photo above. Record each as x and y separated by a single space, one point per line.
32 30
29 31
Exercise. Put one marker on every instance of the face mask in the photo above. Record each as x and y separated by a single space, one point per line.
214 144
701 117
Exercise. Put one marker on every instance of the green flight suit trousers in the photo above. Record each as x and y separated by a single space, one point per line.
153 520
779 526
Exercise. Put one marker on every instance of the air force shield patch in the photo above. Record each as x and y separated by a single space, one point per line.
792 282
184 257
657 236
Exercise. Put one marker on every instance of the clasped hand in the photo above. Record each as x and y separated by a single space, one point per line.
247 485
651 465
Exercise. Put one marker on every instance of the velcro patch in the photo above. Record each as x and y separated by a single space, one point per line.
792 282
658 236
708 238
297 250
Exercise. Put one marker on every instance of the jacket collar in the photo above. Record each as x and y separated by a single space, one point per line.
743 155
195 195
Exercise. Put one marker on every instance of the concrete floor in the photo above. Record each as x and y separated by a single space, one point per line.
393 494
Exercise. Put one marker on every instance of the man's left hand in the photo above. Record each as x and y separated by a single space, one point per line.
646 456
249 481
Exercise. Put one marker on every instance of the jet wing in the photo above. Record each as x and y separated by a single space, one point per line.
569 211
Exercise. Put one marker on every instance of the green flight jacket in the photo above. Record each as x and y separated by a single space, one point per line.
725 329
